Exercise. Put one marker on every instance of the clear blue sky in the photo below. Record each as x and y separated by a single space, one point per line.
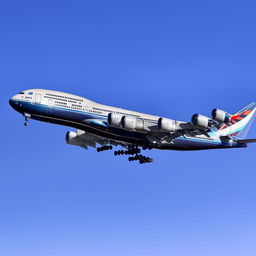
170 58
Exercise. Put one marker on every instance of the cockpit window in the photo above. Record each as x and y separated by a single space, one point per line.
21 92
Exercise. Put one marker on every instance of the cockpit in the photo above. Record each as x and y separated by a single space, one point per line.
17 101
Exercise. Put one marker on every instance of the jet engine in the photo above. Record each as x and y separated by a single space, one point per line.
132 123
220 115
200 120
167 125
71 138
114 119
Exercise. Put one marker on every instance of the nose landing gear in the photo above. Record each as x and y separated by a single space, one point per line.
27 118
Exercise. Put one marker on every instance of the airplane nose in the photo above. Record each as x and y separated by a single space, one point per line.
11 102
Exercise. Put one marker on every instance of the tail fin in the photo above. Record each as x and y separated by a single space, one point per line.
240 123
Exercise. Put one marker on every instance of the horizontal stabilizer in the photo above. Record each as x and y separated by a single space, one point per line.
246 141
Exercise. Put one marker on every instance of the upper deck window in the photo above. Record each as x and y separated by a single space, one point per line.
21 92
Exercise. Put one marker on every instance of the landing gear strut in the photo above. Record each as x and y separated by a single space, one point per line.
27 118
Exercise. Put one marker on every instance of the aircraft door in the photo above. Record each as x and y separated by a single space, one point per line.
50 105
86 109
38 98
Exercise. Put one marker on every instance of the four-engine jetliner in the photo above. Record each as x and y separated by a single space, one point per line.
107 126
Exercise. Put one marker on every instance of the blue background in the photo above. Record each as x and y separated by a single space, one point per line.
169 58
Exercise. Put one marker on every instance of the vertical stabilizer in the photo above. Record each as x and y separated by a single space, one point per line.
240 123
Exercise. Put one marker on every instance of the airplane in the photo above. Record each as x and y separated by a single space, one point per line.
102 127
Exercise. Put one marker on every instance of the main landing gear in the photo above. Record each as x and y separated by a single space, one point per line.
137 157
103 148
134 151
127 152
27 118
142 159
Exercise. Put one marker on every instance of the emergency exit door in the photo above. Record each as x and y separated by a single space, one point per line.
38 98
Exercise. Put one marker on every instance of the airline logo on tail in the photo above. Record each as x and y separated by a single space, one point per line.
239 123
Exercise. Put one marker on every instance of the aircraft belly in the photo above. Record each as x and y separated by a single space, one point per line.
196 142
191 143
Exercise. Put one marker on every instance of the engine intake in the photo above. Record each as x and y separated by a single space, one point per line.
167 125
71 138
200 120
114 119
220 115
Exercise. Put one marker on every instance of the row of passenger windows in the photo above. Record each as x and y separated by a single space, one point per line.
59 102
106 110
63 100
54 98
69 107
94 111
64 97
74 105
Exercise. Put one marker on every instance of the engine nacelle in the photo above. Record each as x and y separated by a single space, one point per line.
71 138
114 119
200 120
132 123
167 125
129 122
220 115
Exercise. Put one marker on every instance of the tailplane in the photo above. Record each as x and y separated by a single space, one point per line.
246 141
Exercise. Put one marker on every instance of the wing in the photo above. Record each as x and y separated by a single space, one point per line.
184 129
86 139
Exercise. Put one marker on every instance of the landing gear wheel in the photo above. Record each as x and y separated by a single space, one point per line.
104 148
